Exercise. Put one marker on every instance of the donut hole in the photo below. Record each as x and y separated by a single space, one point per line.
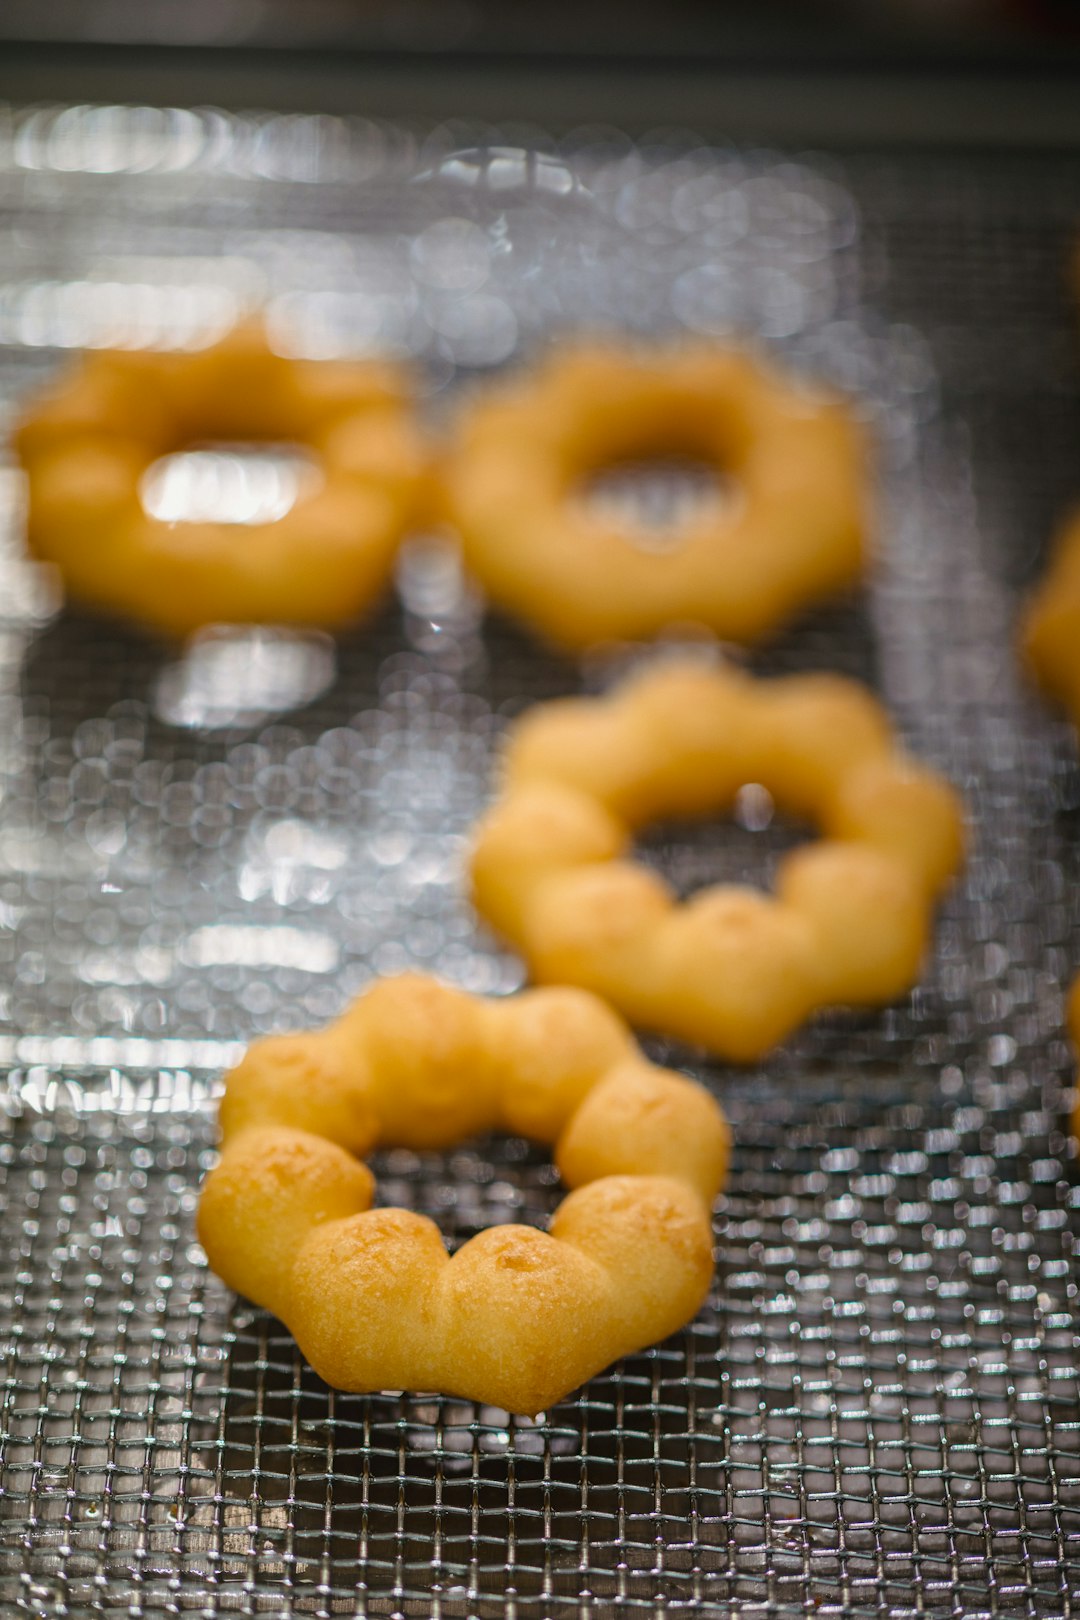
657 500
745 846
492 1181
229 483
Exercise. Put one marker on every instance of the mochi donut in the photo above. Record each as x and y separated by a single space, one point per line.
1050 624
516 1317
1072 1021
732 969
792 532
91 435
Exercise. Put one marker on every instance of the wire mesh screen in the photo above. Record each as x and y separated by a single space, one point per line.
877 1410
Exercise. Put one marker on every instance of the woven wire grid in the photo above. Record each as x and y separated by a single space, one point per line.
877 1409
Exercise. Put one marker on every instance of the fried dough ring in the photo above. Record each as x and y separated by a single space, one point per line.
516 1317
732 968
87 440
1050 624
1072 1024
793 534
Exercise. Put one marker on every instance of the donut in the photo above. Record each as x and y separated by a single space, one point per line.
1072 1019
86 442
1050 625
792 532
516 1318
732 969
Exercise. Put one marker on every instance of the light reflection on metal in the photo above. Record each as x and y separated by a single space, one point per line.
655 503
504 169
245 484
232 944
110 140
122 313
236 675
128 1053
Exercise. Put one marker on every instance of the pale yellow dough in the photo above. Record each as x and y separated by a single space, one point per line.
517 1317
792 532
733 969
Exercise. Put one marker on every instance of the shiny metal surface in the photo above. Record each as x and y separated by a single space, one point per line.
878 1411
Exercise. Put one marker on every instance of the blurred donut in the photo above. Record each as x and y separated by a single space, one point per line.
89 438
793 532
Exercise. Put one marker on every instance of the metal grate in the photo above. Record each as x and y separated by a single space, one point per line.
878 1409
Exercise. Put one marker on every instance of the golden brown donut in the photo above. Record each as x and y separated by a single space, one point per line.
88 439
731 968
1050 624
1072 1021
516 1317
793 533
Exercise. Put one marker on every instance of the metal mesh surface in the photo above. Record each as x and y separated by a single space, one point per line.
877 1410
